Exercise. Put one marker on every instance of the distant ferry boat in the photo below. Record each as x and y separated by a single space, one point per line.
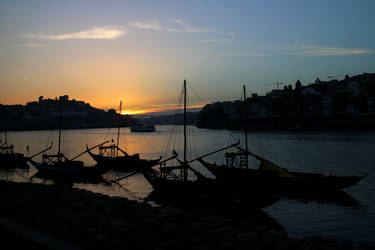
139 127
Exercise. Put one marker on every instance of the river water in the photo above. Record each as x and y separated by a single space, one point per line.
340 153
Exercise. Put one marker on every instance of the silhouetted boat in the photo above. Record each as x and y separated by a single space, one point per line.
9 158
280 180
272 177
61 166
140 127
171 184
70 178
109 156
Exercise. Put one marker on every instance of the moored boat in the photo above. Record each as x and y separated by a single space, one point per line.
272 177
60 166
280 180
109 157
11 159
140 127
172 185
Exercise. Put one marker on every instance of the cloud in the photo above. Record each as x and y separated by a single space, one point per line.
148 25
334 51
244 54
296 50
174 25
34 45
93 33
314 50
217 40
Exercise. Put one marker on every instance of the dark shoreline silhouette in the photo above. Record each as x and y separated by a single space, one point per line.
116 223
348 104
332 105
43 115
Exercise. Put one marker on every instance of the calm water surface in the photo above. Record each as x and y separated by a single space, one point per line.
340 153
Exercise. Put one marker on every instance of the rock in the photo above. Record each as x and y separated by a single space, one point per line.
208 236
225 231
247 236
95 221
195 241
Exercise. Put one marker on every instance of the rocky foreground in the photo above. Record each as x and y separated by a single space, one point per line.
60 217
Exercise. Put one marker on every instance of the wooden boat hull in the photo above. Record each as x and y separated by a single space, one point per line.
205 194
142 128
14 160
124 163
298 183
69 169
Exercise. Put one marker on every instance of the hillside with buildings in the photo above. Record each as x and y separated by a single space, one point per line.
334 104
44 114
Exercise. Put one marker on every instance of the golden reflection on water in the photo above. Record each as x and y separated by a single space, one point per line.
134 187
147 145
296 152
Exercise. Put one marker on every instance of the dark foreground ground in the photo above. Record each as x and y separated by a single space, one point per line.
60 217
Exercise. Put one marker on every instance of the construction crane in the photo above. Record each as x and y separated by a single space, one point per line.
277 83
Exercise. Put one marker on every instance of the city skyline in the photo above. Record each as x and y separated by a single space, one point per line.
106 51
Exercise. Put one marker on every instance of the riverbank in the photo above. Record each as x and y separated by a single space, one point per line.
62 217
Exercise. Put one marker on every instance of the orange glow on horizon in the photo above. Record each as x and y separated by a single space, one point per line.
152 110
133 112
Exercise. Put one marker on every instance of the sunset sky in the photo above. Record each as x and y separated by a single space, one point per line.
141 51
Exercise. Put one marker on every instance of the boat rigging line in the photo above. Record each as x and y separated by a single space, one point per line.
118 131
196 93
84 152
124 177
172 131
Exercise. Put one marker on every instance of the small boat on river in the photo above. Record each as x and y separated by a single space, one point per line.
140 127
272 177
9 158
60 166
173 187
279 180
109 156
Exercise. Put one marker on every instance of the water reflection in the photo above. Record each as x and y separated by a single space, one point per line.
134 187
45 177
339 198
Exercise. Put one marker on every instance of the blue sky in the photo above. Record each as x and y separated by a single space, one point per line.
140 51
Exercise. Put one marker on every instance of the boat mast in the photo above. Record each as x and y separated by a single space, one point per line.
118 131
184 121
245 115
185 163
6 132
245 124
60 118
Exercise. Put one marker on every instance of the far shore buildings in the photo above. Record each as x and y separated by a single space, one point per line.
50 107
44 114
343 100
334 103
